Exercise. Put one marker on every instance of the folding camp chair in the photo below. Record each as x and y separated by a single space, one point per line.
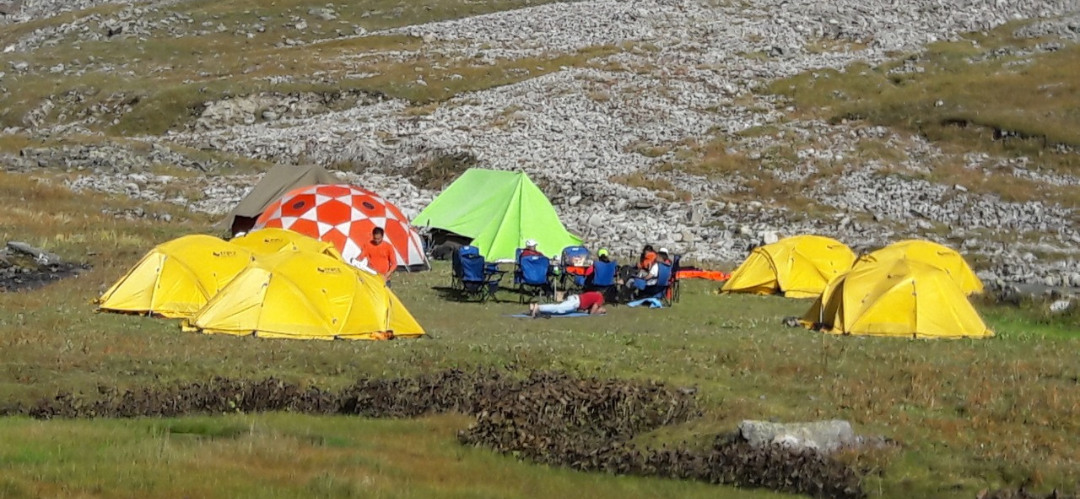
660 289
603 279
674 290
533 277
575 263
456 267
478 278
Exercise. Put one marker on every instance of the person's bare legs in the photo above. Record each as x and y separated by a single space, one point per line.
533 309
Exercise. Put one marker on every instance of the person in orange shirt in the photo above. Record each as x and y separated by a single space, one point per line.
380 255
648 257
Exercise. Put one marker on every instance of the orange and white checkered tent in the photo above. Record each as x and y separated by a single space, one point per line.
345 215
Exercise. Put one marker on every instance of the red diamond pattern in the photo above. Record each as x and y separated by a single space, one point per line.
325 211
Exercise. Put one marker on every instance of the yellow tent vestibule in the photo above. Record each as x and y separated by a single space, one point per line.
798 267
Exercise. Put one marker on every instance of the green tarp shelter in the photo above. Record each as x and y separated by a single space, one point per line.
499 210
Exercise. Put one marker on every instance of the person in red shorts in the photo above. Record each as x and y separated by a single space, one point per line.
589 301
380 255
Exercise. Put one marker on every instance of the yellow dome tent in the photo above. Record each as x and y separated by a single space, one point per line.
402 322
272 240
930 253
798 267
904 298
304 295
175 279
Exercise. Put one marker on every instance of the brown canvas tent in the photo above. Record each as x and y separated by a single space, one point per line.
278 181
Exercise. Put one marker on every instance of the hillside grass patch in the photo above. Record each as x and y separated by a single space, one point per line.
991 92
758 179
148 86
649 180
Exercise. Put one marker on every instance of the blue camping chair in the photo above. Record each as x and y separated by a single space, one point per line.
603 275
533 277
658 290
455 265
574 257
604 278
478 278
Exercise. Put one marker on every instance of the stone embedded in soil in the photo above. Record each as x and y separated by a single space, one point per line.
821 436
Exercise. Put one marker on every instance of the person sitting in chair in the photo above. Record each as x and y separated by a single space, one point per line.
649 277
663 256
648 256
601 256
589 301
530 249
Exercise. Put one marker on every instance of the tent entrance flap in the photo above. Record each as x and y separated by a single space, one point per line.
242 223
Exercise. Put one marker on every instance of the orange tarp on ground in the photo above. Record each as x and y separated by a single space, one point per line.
712 275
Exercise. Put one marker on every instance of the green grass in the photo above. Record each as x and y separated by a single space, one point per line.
716 159
963 96
1033 320
970 414
288 456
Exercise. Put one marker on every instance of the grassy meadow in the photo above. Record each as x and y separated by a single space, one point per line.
969 414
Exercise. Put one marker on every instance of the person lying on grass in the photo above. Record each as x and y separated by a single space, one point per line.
589 301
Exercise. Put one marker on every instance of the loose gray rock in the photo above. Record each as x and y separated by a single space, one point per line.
1061 306
41 256
325 14
822 436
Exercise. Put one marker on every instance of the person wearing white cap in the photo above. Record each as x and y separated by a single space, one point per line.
664 256
649 277
530 248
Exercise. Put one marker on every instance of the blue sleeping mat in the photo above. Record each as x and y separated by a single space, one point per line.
572 314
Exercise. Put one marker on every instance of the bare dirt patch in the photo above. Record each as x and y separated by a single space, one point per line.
25 278
24 268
